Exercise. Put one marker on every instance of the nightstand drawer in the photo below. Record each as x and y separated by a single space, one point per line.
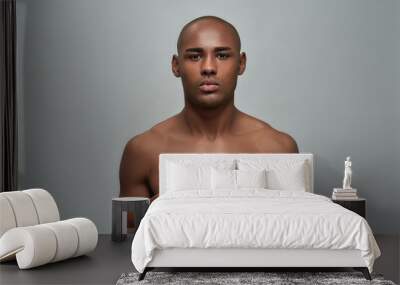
357 206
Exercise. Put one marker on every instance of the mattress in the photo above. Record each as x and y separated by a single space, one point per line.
250 219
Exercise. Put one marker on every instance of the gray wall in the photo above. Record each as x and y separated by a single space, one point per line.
93 73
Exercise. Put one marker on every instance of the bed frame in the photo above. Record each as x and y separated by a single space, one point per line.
242 259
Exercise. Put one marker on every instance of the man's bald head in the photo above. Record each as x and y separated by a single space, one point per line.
211 19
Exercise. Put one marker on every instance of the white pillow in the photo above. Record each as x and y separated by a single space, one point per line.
223 179
181 177
281 174
236 179
251 178
189 174
287 179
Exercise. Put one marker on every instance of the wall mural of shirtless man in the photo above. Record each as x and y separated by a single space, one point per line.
208 61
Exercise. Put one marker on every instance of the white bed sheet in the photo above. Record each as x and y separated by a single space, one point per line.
250 218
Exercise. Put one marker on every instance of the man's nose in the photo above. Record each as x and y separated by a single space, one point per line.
208 66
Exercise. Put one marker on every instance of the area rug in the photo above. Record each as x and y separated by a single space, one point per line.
269 278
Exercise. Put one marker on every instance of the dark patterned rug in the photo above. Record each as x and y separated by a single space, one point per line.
229 278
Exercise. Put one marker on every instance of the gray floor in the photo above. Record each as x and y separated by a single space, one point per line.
110 260
102 266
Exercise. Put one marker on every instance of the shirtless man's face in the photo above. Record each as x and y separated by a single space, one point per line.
209 63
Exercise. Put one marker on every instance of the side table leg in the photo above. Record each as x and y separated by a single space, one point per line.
116 221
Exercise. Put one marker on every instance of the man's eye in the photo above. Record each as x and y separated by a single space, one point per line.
194 57
222 55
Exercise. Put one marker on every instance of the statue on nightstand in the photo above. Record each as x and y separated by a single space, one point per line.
347 174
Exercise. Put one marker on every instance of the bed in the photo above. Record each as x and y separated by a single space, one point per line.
247 210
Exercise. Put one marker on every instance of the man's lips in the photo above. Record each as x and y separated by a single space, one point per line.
209 86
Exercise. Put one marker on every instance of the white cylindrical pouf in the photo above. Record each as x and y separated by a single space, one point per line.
67 239
45 205
87 234
33 245
7 218
23 208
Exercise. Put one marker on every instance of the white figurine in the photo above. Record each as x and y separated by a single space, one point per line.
347 174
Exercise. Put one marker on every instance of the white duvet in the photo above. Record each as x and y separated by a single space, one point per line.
251 218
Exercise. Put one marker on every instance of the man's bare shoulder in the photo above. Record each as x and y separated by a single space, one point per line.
154 138
167 126
248 124
278 140
143 143
287 142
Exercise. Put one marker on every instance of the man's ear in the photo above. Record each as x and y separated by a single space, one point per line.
175 66
242 62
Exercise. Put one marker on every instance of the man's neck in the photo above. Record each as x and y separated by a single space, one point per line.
209 123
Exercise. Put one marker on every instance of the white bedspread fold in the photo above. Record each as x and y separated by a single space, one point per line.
251 218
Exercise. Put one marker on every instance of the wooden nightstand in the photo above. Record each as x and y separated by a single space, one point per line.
357 206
